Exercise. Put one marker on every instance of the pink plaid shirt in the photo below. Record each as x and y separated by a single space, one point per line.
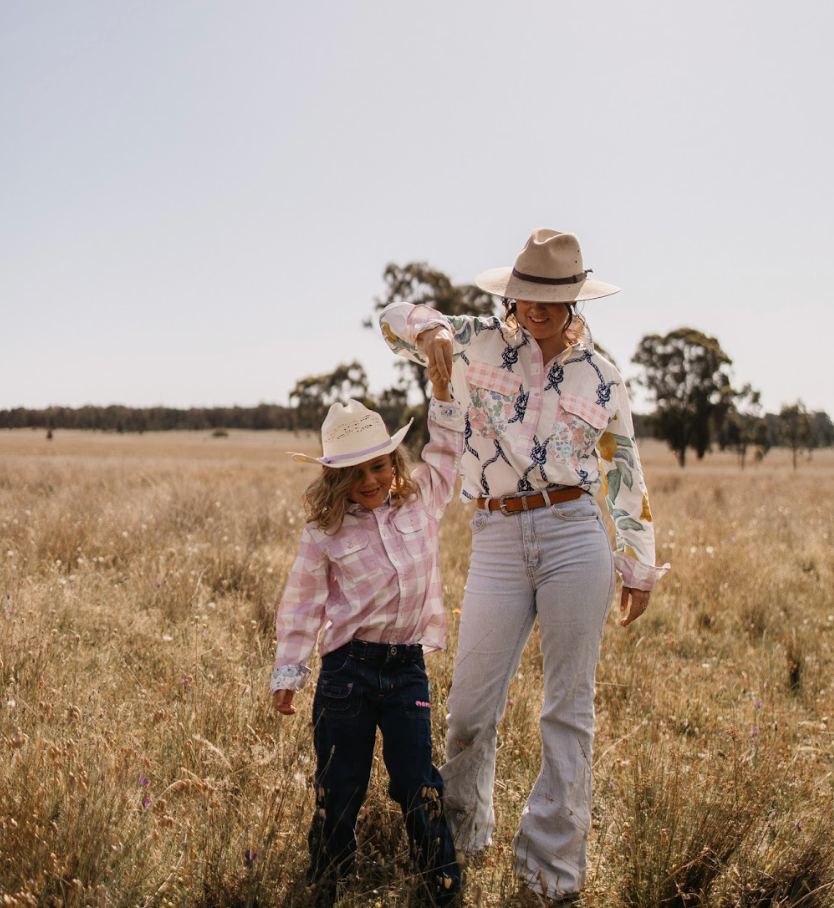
378 577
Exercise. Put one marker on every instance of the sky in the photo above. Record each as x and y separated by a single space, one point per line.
198 199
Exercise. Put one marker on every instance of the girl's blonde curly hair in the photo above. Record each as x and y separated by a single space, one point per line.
326 500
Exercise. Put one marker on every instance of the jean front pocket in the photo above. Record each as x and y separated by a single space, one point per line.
479 520
584 508
335 661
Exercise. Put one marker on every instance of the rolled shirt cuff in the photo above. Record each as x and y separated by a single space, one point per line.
636 574
423 318
289 677
446 413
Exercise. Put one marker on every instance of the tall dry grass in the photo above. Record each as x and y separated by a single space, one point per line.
140 763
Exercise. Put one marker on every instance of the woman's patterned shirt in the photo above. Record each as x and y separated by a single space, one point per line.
531 425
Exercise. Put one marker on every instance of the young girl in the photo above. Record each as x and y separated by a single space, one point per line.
367 571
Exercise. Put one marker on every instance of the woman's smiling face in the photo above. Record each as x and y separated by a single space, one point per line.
546 323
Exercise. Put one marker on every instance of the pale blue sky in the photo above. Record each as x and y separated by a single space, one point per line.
198 199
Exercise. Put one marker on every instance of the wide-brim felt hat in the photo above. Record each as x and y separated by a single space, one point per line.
352 434
548 269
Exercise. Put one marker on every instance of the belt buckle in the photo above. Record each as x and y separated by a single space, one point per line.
502 505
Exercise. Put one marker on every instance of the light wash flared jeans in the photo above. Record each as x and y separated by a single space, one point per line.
554 564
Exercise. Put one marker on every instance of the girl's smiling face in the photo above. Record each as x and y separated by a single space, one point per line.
374 482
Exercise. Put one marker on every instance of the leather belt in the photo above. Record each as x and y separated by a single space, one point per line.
508 504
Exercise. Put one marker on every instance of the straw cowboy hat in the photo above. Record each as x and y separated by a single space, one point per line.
352 434
548 269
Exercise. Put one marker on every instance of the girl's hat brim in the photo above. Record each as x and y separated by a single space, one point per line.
350 460
502 282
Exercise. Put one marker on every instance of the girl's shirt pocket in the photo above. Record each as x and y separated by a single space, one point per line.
412 527
493 394
349 553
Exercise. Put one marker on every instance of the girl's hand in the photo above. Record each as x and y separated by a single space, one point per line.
282 701
639 604
436 344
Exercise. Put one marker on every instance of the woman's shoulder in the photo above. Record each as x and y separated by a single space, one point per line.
589 356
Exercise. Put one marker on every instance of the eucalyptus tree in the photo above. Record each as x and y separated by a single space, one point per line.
687 374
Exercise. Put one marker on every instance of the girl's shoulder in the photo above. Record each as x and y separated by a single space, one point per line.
327 538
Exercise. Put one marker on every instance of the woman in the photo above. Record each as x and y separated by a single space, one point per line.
548 421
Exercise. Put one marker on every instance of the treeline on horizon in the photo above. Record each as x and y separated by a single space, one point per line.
117 418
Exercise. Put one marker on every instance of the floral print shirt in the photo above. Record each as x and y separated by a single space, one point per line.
532 425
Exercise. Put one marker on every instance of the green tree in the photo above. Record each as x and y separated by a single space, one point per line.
795 429
687 374
743 426
822 430
314 395
421 284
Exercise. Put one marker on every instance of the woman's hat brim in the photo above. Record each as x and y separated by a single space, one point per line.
351 461
502 282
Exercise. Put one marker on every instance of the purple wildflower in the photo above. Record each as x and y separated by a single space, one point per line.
758 704
249 857
754 731
799 825
143 782
146 802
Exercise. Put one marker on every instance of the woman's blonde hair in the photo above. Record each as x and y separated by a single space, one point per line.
325 500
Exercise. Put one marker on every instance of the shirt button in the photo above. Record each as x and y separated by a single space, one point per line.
393 650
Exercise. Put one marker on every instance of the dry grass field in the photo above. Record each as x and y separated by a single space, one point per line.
141 764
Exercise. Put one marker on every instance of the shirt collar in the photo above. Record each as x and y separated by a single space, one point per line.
357 509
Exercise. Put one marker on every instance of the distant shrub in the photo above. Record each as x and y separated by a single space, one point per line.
220 433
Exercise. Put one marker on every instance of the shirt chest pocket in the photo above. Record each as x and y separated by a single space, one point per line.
348 552
493 396
490 378
580 422
412 533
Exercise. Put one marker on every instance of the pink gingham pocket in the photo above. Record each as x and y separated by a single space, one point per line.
585 409
491 378
348 545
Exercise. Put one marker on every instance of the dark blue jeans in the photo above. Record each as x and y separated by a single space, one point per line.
361 686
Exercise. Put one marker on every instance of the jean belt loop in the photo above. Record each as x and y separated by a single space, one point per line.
524 505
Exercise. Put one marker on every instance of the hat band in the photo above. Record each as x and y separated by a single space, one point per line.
573 279
335 457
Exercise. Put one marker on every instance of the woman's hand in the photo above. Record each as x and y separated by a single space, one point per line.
639 604
282 701
439 386
436 344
